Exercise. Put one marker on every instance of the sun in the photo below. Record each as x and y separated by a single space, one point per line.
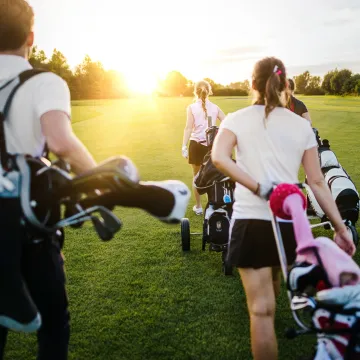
143 83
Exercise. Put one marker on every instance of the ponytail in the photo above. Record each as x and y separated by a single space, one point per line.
203 97
270 80
272 93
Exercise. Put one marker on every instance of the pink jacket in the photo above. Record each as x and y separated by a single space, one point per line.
335 261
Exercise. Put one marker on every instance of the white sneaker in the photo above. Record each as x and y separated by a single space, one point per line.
197 211
182 196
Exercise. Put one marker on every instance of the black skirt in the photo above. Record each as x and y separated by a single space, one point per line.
197 152
252 244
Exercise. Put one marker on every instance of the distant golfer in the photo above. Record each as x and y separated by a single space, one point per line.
296 105
196 125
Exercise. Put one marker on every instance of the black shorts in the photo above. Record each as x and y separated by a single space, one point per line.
197 152
252 244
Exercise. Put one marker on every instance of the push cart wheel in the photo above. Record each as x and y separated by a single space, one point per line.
185 234
353 233
227 268
204 242
205 236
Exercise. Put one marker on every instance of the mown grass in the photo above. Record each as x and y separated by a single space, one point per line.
139 296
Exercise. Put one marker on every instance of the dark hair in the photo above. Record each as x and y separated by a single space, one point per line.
16 22
291 84
269 78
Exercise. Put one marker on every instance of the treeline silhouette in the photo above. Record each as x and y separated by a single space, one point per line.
89 80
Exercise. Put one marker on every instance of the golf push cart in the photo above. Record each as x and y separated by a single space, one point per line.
220 192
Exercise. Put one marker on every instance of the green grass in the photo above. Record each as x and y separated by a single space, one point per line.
139 296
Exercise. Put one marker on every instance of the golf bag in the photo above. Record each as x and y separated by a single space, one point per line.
341 186
323 284
220 191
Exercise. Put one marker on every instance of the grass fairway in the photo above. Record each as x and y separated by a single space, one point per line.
138 296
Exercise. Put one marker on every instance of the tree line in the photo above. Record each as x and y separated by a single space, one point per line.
335 82
89 80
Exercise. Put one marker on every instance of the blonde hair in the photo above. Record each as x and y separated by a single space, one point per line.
202 90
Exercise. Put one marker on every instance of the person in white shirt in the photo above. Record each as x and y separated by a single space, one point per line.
39 115
271 143
196 125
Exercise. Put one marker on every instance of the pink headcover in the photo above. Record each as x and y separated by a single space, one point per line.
288 202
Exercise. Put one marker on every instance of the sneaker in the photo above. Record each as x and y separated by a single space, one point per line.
182 196
197 211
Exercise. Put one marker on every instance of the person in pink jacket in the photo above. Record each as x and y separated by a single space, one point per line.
196 125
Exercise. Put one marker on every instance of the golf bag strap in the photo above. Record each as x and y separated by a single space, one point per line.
22 79
332 179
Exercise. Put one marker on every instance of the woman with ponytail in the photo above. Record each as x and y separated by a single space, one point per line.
271 143
196 125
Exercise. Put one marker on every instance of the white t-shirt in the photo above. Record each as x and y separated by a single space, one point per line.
269 153
39 95
200 121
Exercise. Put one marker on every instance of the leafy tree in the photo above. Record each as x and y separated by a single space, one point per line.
301 82
326 84
58 65
214 85
175 84
357 88
350 84
314 87
245 86
338 80
90 78
38 58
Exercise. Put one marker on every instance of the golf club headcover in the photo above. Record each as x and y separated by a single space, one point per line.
278 197
304 277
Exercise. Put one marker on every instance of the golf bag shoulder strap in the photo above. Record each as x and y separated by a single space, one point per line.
9 89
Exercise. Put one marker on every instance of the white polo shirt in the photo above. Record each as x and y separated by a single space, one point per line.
271 153
39 95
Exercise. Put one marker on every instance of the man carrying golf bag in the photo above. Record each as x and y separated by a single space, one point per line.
34 119
38 113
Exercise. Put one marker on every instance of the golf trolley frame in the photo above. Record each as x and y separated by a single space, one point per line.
206 240
304 301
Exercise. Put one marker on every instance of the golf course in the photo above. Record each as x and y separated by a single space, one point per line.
139 296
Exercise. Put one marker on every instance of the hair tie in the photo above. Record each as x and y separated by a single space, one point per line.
277 70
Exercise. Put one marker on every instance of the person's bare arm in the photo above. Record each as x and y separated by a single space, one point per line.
221 153
306 116
221 115
61 140
188 127
324 197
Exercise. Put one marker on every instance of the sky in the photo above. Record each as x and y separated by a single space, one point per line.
219 39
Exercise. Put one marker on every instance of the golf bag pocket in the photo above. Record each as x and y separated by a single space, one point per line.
221 193
218 227
344 193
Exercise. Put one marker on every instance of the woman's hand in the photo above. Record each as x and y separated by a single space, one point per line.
185 152
343 239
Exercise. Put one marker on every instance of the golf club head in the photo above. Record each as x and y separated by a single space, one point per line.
102 230
110 220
